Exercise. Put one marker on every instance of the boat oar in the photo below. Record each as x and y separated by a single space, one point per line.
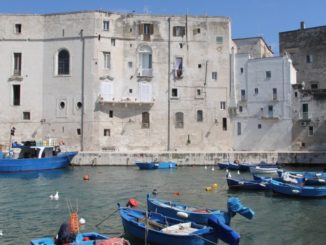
106 218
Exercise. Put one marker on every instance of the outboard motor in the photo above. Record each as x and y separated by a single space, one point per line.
223 231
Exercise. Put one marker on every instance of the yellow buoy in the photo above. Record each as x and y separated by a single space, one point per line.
215 185
208 188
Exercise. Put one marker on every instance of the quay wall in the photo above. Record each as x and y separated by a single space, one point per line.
198 159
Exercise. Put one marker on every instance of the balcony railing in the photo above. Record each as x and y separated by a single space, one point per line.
145 72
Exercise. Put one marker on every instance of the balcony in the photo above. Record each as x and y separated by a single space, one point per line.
124 101
145 72
305 116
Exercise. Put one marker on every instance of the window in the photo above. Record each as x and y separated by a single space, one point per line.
179 31
214 75
145 120
309 58
130 64
174 93
179 120
274 93
239 128
106 25
112 41
241 70
16 95
270 111
199 116
79 105
62 105
295 94
145 61
107 132
305 112
219 39
199 93
259 126
17 64
314 86
18 28
222 105
199 65
78 131
268 75
130 91
180 45
256 91
240 108
225 126
63 62
146 30
26 115
111 114
107 60
178 67
243 94
196 31
311 131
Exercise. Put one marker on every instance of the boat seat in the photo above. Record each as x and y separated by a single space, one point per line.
180 229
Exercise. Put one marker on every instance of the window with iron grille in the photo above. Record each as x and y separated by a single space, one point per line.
179 120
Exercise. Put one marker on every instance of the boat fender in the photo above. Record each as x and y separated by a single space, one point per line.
132 203
215 185
208 188
86 177
182 215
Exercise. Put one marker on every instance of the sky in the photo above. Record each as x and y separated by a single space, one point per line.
250 18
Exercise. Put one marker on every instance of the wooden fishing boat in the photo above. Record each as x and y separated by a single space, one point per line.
155 165
292 189
310 178
152 227
243 184
195 214
88 238
32 158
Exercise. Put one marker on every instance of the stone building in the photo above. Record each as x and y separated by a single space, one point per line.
118 82
307 48
262 85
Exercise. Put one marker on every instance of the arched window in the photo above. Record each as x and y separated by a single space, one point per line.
63 62
179 120
145 61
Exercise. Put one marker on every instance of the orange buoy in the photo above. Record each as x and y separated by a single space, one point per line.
74 222
86 177
177 193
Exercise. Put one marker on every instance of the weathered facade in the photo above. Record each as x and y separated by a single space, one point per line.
307 48
118 82
262 86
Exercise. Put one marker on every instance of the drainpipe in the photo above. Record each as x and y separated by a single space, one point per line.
169 81
82 91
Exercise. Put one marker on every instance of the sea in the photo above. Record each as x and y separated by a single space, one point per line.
27 212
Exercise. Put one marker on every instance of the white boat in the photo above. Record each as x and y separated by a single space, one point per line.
263 170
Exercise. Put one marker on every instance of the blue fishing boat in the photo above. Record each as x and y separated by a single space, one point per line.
155 165
87 238
152 227
243 184
310 178
33 157
297 189
195 214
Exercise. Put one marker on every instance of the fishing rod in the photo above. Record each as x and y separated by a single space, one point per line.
106 218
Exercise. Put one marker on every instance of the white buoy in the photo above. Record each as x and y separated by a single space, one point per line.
205 167
213 169
238 172
82 221
182 215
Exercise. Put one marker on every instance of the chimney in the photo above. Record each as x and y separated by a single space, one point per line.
302 25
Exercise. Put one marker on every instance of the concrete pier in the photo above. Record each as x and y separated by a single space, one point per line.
198 159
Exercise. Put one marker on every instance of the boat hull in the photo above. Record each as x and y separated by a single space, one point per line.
62 160
175 210
297 190
135 228
247 184
155 165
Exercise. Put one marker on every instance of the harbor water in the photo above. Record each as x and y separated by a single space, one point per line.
27 212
